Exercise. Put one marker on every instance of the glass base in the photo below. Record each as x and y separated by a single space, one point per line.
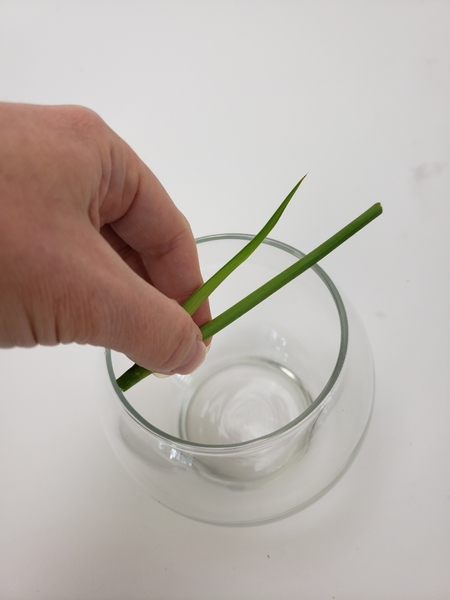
241 401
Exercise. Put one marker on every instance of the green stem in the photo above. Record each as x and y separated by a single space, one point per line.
272 286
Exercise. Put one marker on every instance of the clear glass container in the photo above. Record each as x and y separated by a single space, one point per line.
271 419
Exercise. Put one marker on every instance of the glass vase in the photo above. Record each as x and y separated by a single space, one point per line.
274 415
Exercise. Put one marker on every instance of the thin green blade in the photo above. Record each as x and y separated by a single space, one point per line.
198 297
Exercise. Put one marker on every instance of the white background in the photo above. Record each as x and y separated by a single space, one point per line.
230 102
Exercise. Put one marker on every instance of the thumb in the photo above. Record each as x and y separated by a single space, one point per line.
125 313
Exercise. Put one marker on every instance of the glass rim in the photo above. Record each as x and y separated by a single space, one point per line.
315 405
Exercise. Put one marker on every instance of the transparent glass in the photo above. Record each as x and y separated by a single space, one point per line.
271 419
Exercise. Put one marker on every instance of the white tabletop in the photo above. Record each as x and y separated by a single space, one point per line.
230 102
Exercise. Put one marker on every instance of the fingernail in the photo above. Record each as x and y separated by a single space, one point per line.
162 375
195 360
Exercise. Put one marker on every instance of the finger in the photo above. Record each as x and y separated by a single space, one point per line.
143 215
123 312
132 258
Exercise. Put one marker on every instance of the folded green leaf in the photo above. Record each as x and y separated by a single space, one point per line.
137 373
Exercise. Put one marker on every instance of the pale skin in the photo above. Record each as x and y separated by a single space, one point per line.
92 248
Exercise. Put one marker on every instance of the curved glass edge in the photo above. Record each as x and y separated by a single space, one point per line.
195 446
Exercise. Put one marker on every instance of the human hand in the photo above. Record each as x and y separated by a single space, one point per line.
92 249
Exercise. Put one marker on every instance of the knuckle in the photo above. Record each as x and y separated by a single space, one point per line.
83 118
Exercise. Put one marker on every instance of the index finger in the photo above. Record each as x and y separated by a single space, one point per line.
142 213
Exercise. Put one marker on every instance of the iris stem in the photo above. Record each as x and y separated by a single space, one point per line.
299 267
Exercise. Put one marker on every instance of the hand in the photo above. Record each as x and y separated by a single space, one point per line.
92 249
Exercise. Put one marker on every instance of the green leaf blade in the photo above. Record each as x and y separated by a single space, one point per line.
198 297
